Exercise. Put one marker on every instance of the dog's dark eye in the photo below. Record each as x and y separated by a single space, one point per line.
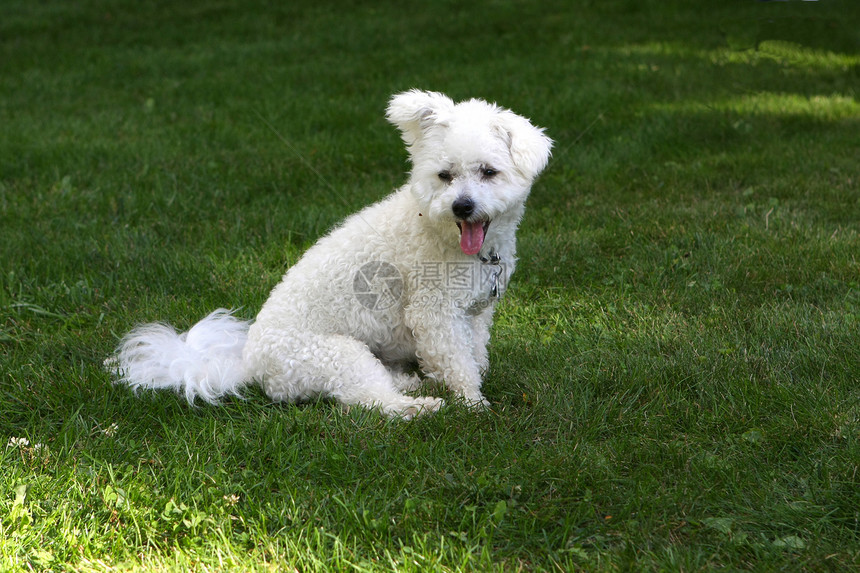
446 176
489 172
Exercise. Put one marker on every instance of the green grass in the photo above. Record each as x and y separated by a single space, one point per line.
675 371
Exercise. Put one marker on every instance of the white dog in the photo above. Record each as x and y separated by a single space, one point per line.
410 280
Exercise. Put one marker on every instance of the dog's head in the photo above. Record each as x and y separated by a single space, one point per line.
473 162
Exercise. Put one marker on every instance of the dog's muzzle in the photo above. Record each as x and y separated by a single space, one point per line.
472 231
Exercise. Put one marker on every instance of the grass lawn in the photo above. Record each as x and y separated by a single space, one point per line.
675 377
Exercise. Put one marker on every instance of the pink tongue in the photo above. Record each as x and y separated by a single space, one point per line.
471 237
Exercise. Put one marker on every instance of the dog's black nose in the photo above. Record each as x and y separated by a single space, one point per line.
463 207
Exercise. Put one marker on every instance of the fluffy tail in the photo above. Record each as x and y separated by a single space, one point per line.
206 361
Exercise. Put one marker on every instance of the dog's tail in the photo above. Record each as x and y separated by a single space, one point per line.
206 361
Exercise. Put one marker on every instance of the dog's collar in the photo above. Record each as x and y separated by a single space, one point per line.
493 259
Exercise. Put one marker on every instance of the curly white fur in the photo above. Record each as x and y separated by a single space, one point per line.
412 279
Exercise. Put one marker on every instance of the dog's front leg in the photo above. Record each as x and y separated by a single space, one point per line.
444 345
480 325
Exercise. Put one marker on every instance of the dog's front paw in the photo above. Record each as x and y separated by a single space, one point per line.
415 407
476 401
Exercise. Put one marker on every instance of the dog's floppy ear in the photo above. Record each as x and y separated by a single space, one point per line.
530 148
414 111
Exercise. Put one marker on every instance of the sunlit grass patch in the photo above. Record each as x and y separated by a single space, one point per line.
834 107
788 54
